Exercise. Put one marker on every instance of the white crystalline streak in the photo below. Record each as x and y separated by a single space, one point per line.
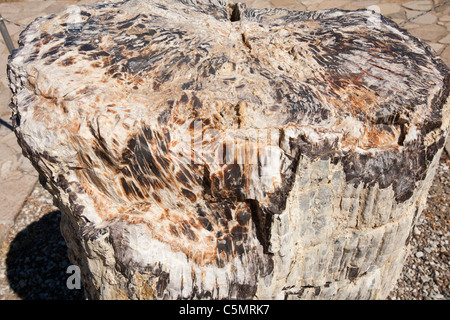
74 13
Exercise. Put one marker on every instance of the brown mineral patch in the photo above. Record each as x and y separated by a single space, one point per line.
352 95
375 138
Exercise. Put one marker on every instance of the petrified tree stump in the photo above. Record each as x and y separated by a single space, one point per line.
200 149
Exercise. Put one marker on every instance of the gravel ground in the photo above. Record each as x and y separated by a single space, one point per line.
426 274
33 260
33 257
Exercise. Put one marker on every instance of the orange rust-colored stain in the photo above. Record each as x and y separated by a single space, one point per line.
134 220
351 95
82 91
376 138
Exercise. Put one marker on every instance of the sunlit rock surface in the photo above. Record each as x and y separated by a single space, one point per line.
202 149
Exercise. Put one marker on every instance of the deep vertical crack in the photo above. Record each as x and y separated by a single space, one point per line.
236 10
245 41
263 223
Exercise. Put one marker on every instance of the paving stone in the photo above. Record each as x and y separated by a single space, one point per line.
26 12
445 40
445 18
8 7
5 96
310 2
26 166
287 4
389 8
418 5
432 32
4 126
444 24
445 55
445 10
18 15
282 3
258 4
11 141
398 21
12 195
30 18
410 25
437 47
5 153
8 167
328 4
300 6
398 15
428 18
3 60
4 228
364 4
57 7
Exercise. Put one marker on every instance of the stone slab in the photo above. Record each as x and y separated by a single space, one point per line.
419 5
446 55
445 40
389 8
4 228
13 194
431 32
437 47
428 18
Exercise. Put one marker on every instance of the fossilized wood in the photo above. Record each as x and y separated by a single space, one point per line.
108 103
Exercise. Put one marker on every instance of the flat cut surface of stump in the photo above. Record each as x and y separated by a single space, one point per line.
179 127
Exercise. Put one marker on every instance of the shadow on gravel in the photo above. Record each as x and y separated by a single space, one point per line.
37 262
